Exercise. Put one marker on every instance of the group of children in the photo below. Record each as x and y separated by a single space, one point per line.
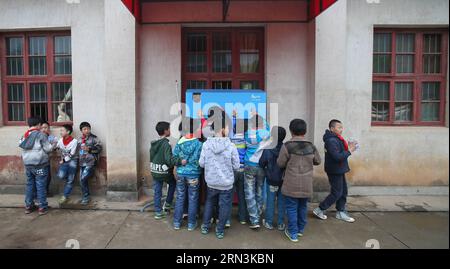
226 155
243 158
75 154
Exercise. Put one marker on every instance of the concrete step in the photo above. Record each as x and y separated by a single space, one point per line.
392 203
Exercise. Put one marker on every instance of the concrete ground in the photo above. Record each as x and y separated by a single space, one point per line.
132 229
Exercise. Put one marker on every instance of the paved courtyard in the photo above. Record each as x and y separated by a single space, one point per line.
131 229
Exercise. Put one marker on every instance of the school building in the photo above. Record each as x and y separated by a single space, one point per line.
380 66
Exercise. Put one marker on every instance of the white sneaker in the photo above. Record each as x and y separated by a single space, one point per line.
342 215
319 213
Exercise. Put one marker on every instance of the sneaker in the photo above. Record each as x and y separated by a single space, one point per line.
42 211
160 215
192 226
292 238
185 216
220 235
254 226
85 201
342 215
319 213
281 227
176 226
267 225
63 200
300 234
29 209
228 224
243 222
167 207
204 229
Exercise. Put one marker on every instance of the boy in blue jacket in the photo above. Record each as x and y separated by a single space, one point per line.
255 138
274 176
337 151
188 148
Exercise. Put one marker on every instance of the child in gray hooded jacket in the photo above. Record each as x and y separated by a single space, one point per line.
220 158
35 149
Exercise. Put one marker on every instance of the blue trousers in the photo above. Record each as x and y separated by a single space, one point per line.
86 172
223 199
274 195
67 172
157 189
36 181
189 186
253 188
297 213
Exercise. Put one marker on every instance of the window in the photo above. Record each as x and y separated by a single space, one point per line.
36 77
223 58
409 76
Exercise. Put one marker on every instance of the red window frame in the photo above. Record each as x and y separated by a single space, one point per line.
27 79
235 76
417 77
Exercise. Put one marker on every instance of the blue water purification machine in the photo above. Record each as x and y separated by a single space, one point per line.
242 101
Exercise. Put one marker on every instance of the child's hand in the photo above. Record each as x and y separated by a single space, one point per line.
61 162
352 146
183 162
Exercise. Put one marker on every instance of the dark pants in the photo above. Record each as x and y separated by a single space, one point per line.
297 214
338 193
189 186
223 199
86 173
239 189
36 184
49 178
158 191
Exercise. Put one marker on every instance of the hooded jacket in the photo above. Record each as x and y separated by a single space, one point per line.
255 141
336 157
220 158
188 149
35 149
298 156
161 160
238 140
90 158
268 162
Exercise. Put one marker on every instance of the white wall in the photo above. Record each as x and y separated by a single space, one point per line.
388 155
160 68
287 70
120 77
86 22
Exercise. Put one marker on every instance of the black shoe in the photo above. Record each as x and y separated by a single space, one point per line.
30 209
42 211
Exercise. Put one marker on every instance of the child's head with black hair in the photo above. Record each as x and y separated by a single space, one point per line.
214 110
163 128
256 122
34 122
336 126
66 130
45 127
221 124
85 128
188 126
297 127
278 133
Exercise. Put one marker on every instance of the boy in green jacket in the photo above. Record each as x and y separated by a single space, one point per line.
161 166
